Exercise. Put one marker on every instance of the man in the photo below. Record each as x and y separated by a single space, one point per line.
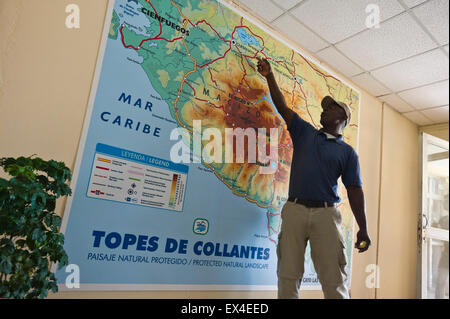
320 157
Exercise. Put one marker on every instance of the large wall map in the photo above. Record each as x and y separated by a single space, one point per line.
140 218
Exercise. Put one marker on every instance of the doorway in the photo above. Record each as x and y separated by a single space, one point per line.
433 221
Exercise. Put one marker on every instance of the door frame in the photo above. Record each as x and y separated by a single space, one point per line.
424 230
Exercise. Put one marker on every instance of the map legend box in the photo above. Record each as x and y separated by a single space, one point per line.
134 178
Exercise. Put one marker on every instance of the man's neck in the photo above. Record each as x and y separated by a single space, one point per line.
334 132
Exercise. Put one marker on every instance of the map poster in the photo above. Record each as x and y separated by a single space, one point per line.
163 198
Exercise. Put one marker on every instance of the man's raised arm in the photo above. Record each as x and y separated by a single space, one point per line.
265 70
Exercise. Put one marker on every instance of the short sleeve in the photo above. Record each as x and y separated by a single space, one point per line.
351 176
298 126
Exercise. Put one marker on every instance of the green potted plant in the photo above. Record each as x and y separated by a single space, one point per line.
29 228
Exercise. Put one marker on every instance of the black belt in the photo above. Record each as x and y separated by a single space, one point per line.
311 203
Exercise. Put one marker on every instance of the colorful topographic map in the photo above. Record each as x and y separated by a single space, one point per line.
200 56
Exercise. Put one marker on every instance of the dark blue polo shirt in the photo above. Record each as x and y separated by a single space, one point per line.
318 162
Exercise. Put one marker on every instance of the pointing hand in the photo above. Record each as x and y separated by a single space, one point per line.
264 67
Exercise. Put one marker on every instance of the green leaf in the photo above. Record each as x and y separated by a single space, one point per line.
36 234
38 200
6 246
64 261
39 164
17 170
54 288
3 183
51 204
5 265
56 220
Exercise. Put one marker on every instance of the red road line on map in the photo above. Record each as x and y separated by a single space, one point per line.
293 94
351 100
214 81
160 25
222 38
215 60
218 107
179 38
329 89
245 73
212 28
145 40
321 73
307 109
195 94
293 75
202 100
268 222
292 60
248 62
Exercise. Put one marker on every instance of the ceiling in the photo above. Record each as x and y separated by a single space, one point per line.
404 62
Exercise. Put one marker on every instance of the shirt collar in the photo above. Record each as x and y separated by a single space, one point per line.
331 137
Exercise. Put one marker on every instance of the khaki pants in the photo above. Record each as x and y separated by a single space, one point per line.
322 227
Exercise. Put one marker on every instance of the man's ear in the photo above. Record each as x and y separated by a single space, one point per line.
346 121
